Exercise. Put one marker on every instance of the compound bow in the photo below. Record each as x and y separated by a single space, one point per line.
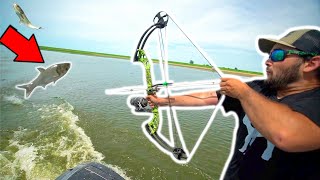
150 127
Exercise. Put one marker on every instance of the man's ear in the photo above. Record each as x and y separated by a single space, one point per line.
312 64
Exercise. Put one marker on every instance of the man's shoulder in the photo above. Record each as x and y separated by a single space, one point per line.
313 94
306 103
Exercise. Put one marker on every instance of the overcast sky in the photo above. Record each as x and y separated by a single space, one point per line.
226 30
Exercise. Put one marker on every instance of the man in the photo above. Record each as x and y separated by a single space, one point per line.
279 118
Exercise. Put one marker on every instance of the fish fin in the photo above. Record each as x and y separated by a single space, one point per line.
41 69
28 89
24 86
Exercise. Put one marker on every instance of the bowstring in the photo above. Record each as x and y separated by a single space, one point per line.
203 55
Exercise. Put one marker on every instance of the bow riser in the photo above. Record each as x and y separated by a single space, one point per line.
154 123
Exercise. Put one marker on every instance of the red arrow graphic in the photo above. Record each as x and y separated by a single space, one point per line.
26 50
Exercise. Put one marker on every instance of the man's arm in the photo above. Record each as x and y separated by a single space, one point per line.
193 99
287 129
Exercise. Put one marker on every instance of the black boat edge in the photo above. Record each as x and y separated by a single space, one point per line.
92 171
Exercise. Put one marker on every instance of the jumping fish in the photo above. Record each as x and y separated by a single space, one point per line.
23 18
45 77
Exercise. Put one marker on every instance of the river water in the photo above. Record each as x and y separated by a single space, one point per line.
74 121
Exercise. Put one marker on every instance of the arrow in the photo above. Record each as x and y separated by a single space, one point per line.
26 50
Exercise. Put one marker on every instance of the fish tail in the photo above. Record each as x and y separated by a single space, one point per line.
28 89
33 27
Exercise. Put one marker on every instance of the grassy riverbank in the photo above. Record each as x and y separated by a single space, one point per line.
88 53
198 66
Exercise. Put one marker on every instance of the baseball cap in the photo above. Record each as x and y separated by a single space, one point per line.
307 40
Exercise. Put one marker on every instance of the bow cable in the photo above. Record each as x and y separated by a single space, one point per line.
166 79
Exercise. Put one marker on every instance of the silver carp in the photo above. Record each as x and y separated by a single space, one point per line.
45 77
23 18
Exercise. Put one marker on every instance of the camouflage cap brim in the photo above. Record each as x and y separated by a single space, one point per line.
265 45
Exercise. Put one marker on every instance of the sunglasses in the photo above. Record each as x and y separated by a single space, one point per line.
279 54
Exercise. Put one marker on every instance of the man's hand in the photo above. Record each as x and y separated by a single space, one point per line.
234 88
153 100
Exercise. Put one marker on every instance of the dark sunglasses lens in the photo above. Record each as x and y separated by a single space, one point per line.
277 55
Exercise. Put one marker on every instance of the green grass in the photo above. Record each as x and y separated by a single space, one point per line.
241 71
223 69
198 66
89 53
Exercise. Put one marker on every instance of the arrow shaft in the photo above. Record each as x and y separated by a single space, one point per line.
175 86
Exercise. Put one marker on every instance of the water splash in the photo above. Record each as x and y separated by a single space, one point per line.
13 99
48 150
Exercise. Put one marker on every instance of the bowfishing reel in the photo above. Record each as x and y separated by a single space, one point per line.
140 104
